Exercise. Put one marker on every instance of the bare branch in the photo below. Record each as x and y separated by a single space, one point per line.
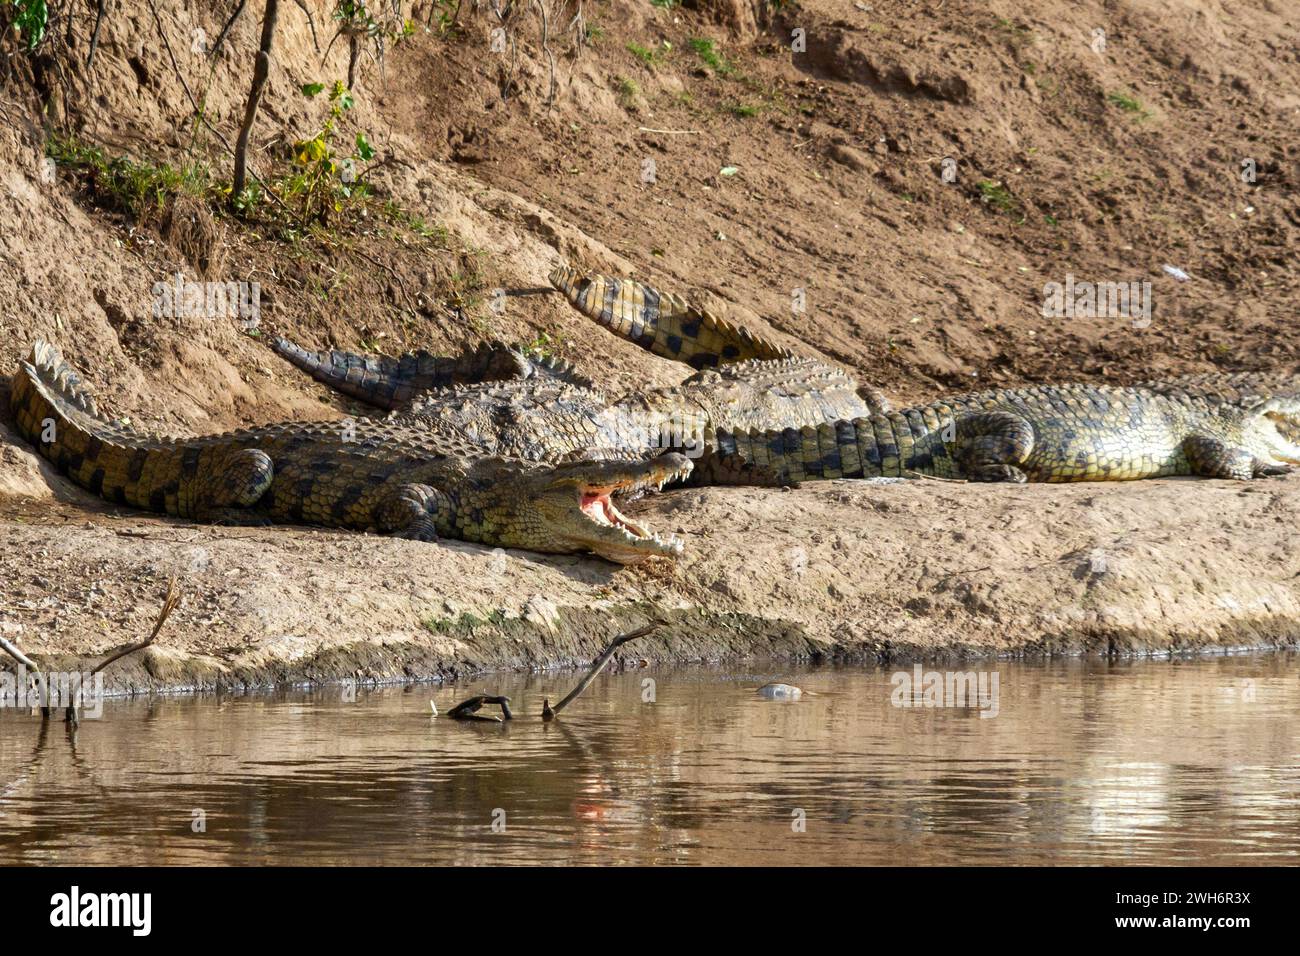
469 709
261 70
94 34
170 603
549 713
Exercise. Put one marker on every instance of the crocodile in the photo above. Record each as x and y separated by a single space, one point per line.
1052 433
549 413
372 475
392 382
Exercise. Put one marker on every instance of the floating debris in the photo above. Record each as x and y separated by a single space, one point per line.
777 691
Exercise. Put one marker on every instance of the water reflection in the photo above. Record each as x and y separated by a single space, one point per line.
1086 762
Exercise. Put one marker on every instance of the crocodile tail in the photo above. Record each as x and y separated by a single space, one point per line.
57 414
389 383
661 322
894 444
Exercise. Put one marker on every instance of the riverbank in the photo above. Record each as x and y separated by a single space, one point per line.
835 571
894 199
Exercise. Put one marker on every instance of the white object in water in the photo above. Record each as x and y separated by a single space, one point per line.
776 691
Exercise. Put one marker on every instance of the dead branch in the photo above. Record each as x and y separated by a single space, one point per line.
550 713
260 72
546 48
221 37
170 602
469 709
94 34
202 115
310 22
12 650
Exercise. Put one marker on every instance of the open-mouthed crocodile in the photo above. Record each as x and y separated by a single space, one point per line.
1044 433
368 475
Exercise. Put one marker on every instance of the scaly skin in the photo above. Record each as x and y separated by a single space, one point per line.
368 476
547 419
1232 387
661 322
391 382
550 421
1045 433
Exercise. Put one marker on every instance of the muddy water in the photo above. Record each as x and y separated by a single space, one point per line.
1085 762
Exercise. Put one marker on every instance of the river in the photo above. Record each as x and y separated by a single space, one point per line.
1079 762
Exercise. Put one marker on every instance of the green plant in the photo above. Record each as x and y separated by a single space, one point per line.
997 195
1129 104
321 181
627 91
446 16
31 17
544 344
644 54
742 110
133 186
706 51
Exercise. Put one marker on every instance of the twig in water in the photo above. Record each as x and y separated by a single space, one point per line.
170 603
550 713
12 650
468 709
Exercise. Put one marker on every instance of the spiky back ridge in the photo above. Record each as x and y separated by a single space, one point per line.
389 382
46 387
661 322
1231 387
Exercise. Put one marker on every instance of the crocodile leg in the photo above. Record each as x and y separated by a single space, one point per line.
993 445
411 511
1212 458
223 494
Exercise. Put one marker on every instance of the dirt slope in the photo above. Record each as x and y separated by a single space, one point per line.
780 178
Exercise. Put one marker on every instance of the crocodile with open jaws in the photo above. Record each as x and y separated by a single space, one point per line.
547 412
371 475
1207 426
